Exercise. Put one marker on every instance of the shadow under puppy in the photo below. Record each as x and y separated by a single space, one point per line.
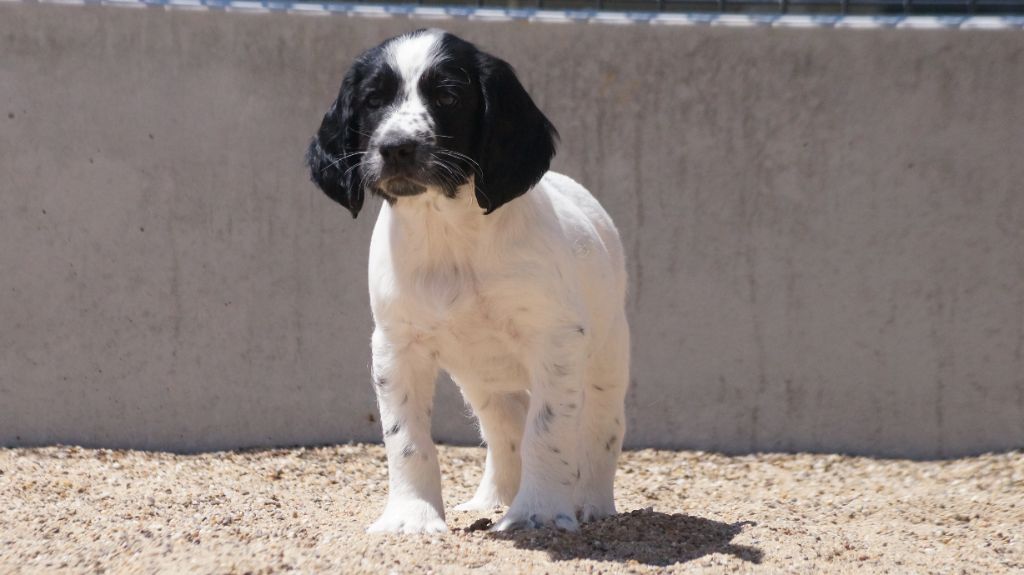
483 263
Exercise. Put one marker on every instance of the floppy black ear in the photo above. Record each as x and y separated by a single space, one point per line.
332 155
516 141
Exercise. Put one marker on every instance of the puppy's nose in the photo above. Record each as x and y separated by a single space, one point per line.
398 153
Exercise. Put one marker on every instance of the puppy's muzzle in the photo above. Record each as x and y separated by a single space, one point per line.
399 155
401 172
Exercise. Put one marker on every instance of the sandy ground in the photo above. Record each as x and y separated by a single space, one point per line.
66 509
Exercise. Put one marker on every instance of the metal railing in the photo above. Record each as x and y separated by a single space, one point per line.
823 7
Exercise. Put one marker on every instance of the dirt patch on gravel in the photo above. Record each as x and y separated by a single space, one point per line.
66 509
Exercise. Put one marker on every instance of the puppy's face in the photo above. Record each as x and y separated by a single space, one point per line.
424 113
417 111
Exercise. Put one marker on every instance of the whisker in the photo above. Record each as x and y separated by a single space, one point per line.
362 183
460 156
352 167
360 133
484 194
449 175
451 168
446 170
339 160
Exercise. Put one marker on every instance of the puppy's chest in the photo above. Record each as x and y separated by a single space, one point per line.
454 300
473 321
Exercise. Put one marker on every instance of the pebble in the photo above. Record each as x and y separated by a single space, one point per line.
73 510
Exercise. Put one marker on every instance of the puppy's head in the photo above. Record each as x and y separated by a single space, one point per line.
424 113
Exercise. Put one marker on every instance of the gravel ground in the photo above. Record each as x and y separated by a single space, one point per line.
66 509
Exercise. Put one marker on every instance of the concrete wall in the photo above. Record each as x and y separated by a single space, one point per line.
825 229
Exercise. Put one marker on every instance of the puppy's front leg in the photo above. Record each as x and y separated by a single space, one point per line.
550 463
404 374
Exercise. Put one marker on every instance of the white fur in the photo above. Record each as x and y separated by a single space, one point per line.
410 57
524 308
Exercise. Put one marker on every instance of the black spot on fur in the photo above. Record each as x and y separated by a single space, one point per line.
554 449
580 330
512 445
611 442
545 417
408 450
393 429
598 387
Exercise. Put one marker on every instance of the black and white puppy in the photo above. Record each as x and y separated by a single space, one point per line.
483 263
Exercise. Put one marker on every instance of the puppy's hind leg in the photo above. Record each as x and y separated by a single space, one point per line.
603 425
550 451
502 418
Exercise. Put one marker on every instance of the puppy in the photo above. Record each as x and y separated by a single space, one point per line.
484 264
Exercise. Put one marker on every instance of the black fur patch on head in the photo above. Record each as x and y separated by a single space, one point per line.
517 141
334 154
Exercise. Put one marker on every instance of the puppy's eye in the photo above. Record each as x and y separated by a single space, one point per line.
446 99
374 101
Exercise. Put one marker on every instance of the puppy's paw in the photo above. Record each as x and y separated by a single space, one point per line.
591 512
409 517
479 504
517 519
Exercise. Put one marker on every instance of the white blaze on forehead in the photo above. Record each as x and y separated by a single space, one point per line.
410 57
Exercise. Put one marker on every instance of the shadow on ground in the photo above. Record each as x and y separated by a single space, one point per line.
645 536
